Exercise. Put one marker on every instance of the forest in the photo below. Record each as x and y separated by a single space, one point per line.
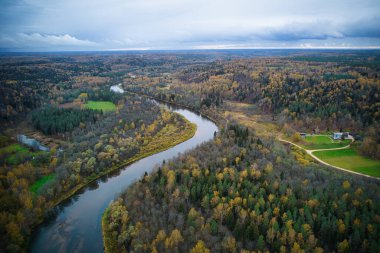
58 120
93 148
240 193
304 93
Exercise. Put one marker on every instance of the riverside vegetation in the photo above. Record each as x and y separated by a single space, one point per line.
244 192
96 144
47 97
241 192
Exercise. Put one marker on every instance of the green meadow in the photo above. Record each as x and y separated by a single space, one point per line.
323 142
105 106
16 153
41 182
349 159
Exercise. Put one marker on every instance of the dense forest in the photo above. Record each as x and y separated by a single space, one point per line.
307 93
54 120
240 193
331 95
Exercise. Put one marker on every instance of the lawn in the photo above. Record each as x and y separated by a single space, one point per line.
16 153
323 142
105 106
349 159
13 148
41 182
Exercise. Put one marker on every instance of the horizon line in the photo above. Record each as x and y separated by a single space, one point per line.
196 49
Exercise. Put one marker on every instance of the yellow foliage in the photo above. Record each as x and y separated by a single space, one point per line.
296 248
171 178
200 248
269 168
341 226
343 246
174 239
346 184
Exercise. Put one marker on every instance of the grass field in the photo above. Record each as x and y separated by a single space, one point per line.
105 106
41 182
16 153
323 142
349 159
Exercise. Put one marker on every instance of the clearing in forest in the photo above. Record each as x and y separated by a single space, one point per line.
323 142
339 156
349 159
105 106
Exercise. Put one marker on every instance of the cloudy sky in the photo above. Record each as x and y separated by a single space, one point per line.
55 25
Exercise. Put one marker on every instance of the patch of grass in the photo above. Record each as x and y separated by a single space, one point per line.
13 148
41 182
16 153
349 159
105 106
323 142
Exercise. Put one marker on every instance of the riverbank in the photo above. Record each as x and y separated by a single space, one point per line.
174 140
109 244
82 217
219 122
165 143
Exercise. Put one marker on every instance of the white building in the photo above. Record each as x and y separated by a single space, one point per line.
117 88
337 136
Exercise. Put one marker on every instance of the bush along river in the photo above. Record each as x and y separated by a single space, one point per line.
75 225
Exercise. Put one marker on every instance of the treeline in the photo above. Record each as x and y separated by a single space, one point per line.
98 94
323 93
330 94
16 99
239 193
53 120
104 94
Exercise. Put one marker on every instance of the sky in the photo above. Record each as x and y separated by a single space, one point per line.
70 25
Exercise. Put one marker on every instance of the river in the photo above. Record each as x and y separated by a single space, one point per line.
76 224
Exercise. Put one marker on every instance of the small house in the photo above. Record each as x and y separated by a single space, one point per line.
337 136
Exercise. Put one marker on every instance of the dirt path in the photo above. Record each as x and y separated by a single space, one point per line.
263 125
310 152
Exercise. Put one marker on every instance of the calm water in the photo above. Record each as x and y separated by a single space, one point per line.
76 227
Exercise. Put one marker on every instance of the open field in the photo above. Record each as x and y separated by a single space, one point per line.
323 142
349 159
16 153
41 182
249 116
105 106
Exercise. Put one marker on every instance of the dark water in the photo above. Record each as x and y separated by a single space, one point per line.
76 226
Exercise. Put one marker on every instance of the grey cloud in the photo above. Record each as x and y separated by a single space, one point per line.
172 24
49 42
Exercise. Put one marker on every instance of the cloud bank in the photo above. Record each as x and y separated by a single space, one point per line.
44 25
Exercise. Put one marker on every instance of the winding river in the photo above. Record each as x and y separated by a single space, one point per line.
76 224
